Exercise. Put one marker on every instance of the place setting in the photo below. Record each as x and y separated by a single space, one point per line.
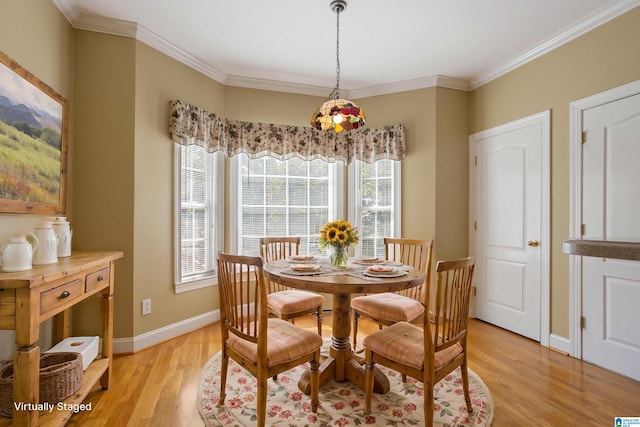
369 261
302 259
382 271
305 269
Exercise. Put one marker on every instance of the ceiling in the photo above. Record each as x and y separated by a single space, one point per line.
385 46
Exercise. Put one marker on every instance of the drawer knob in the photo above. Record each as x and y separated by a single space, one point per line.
100 278
65 294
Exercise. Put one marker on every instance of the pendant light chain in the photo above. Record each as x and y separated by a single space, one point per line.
337 89
338 114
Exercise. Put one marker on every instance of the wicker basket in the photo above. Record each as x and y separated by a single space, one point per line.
60 377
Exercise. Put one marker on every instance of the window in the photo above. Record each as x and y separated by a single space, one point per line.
374 204
282 198
199 216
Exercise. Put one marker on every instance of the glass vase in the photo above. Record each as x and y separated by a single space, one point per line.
338 257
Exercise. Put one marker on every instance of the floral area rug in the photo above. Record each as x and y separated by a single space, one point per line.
341 403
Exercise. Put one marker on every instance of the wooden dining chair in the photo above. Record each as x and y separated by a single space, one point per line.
284 302
430 352
401 306
263 346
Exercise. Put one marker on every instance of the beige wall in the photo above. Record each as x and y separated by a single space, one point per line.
104 170
452 174
434 172
417 111
160 79
269 107
602 59
38 37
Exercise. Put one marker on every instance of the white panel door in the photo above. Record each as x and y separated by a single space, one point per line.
509 224
611 205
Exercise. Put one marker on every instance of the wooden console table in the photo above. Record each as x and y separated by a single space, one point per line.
28 298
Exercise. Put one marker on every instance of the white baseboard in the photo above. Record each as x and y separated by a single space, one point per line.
140 342
559 343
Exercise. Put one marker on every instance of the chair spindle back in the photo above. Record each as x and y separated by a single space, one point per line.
242 296
275 248
414 252
452 301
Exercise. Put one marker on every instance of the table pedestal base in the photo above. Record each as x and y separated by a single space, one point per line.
344 366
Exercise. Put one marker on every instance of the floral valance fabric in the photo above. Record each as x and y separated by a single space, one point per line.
189 125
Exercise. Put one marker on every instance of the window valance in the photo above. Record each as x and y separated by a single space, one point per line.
189 125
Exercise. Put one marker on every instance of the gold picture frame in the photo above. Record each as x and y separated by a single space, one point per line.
33 143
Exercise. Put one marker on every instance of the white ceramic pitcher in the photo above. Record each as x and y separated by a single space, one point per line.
63 233
47 250
17 255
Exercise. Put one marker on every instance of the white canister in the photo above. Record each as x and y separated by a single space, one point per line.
47 250
63 234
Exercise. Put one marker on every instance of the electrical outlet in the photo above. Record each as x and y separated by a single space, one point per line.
146 307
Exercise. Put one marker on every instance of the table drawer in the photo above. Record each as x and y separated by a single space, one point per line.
56 297
97 280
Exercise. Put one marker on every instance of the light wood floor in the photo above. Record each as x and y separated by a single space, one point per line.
531 385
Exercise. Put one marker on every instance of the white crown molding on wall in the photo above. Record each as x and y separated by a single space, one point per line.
440 81
100 24
583 27
277 86
431 81
130 29
151 39
68 9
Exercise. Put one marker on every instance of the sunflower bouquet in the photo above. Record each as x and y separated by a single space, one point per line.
336 237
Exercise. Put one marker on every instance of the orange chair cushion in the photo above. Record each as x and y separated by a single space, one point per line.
285 342
293 301
388 306
403 342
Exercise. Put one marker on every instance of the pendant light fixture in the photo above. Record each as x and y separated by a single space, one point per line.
338 114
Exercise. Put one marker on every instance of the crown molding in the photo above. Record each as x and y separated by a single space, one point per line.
278 86
95 23
100 24
68 9
403 86
151 39
591 22
84 21
303 89
453 83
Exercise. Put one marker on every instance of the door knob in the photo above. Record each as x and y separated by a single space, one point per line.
533 243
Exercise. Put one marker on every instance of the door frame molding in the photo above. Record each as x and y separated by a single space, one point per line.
576 109
544 119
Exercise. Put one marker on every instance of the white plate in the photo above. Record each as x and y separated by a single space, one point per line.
301 260
368 262
302 272
397 273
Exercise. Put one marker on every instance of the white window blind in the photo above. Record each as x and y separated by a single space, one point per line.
198 215
374 197
283 198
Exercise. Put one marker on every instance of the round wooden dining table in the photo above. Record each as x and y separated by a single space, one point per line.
342 364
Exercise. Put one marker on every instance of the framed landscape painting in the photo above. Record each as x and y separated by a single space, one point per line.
33 143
